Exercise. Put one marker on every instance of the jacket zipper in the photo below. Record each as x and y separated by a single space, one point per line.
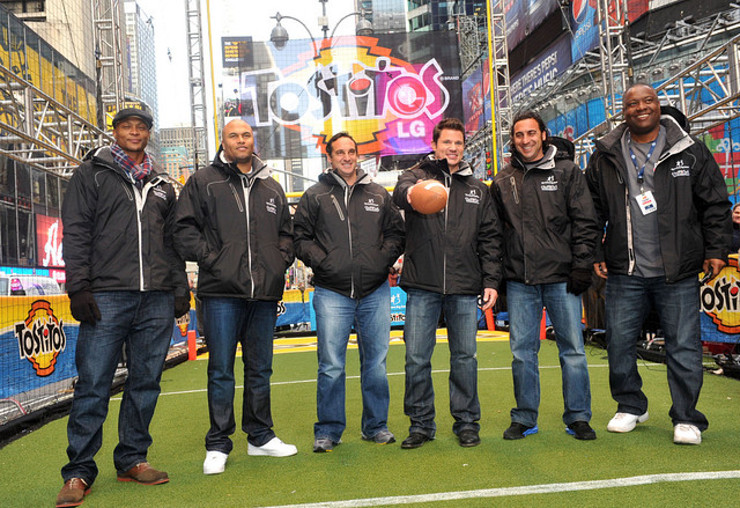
448 184
247 189
347 196
513 189
236 197
338 207
140 199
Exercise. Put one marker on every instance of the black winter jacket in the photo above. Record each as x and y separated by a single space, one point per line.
349 236
238 228
456 250
117 237
691 194
549 224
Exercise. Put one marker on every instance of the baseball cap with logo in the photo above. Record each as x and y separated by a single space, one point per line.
133 112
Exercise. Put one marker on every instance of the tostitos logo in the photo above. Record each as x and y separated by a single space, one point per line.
41 338
720 298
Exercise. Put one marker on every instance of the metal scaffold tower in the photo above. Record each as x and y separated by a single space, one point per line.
614 49
197 82
500 82
108 57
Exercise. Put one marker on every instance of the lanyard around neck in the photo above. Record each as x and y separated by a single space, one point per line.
641 170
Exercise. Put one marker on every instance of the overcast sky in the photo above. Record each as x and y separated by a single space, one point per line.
228 18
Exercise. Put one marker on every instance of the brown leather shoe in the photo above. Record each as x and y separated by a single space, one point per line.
145 474
73 493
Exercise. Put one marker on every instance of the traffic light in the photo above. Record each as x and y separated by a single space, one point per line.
489 170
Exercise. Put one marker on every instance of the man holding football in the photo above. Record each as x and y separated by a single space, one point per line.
452 258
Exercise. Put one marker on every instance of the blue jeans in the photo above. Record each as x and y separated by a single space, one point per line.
142 323
525 313
228 322
628 301
422 314
335 316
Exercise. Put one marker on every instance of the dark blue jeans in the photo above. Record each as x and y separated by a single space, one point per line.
228 322
142 323
525 304
628 301
335 316
422 313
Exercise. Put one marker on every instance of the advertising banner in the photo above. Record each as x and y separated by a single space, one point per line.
476 98
584 24
720 301
387 91
550 64
523 16
49 241
398 307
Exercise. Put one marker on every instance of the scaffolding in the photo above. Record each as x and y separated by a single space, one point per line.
197 82
108 57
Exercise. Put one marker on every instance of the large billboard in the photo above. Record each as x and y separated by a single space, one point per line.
523 16
387 91
550 64
49 241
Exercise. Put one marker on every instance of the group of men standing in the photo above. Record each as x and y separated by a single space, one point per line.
537 233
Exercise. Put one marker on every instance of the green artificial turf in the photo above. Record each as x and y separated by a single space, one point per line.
29 467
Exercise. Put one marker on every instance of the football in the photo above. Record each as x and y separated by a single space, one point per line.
428 196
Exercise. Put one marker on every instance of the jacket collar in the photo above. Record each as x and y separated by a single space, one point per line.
547 161
441 165
331 177
259 168
677 139
103 156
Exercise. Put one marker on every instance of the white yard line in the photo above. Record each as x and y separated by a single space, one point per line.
546 488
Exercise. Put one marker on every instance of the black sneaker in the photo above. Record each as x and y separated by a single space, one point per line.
519 431
581 430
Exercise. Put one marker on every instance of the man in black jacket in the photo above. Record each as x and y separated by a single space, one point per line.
667 215
233 219
451 258
125 284
549 236
350 233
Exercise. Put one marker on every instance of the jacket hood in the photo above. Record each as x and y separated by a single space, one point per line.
104 156
331 177
441 164
260 169
677 139
547 161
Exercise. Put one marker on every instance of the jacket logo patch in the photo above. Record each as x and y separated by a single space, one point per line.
271 207
160 193
472 197
549 185
371 206
680 169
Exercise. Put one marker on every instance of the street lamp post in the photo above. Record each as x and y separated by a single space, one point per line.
279 35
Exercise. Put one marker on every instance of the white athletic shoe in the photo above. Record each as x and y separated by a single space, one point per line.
215 462
625 422
273 448
685 433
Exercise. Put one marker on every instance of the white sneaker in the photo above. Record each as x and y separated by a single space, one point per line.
273 448
625 422
685 433
215 462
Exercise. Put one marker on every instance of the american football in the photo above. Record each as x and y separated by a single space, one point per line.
428 196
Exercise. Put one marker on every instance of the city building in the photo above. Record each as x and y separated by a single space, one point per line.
142 82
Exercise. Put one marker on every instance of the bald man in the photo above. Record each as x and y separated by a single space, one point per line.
233 219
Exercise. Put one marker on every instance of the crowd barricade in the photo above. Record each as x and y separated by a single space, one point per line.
720 301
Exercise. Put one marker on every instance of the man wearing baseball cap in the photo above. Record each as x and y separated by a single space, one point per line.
126 283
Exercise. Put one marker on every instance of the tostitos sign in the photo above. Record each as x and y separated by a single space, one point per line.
41 338
720 298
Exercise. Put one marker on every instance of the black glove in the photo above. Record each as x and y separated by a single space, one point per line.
579 281
83 307
182 305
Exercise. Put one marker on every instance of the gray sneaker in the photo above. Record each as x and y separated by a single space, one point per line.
385 436
323 445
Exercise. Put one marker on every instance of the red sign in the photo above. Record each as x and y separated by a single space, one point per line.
49 240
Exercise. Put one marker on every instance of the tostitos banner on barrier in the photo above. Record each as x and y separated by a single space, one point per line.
720 301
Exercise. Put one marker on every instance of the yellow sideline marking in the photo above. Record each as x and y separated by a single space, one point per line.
308 343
